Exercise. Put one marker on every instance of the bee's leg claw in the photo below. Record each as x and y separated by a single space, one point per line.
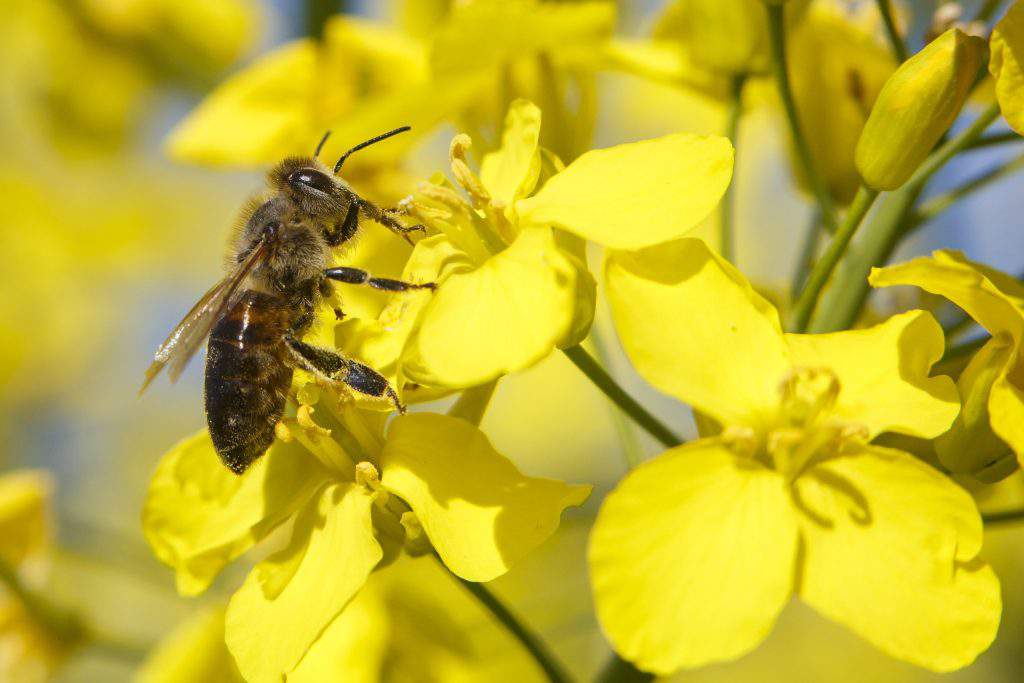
334 367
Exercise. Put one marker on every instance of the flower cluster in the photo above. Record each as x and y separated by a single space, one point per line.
793 488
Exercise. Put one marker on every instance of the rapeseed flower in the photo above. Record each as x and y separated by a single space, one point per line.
510 261
987 438
696 552
356 494
1006 65
32 643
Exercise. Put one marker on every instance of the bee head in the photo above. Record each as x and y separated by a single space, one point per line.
311 186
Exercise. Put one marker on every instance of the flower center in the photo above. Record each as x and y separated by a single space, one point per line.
805 430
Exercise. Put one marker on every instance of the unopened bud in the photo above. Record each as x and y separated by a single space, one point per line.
970 446
916 107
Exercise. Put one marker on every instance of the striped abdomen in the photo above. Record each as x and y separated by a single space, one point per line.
247 380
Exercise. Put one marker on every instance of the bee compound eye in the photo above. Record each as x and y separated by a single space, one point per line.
310 177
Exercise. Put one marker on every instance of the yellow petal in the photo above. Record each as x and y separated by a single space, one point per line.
691 558
480 513
291 597
199 516
506 315
511 172
1006 406
379 342
194 652
479 35
1006 63
695 329
256 116
970 445
353 648
890 551
25 526
991 298
664 61
729 37
635 195
883 374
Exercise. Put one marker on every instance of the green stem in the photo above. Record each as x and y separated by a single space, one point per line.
593 370
623 426
618 670
936 205
732 125
841 305
317 14
995 139
822 270
1002 517
531 641
777 34
805 259
473 403
957 326
986 11
898 46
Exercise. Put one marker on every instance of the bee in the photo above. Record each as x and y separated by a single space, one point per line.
255 318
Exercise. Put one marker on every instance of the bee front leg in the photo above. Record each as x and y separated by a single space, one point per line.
356 276
386 217
334 367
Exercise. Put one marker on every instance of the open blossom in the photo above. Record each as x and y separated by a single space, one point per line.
509 256
696 552
356 494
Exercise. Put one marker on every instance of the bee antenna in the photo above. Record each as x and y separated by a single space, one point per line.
320 145
363 145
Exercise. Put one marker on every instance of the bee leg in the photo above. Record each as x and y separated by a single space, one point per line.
356 276
387 218
334 367
348 227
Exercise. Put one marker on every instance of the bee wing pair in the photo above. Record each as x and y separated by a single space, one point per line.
183 342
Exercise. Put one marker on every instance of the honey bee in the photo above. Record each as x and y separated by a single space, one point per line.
256 316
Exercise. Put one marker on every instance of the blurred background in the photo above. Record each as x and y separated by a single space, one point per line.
106 242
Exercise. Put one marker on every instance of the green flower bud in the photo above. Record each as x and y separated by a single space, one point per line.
916 107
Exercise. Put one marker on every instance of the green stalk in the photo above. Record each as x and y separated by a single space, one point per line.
623 426
63 625
531 641
936 205
826 264
593 370
842 302
995 139
618 670
317 14
777 34
898 46
726 212
805 259
986 11
1002 517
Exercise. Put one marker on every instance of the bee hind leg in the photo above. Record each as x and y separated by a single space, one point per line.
334 367
356 276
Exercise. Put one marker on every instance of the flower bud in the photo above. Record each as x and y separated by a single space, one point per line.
970 446
916 107
1007 65
725 37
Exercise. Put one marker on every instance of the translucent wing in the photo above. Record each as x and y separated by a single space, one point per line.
183 342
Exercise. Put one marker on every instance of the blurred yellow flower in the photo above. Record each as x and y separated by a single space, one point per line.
695 553
992 385
837 67
1006 63
510 260
31 644
355 497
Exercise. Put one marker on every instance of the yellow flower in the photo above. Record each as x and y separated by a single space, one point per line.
838 67
992 385
285 100
697 551
510 259
1006 64
355 496
30 651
